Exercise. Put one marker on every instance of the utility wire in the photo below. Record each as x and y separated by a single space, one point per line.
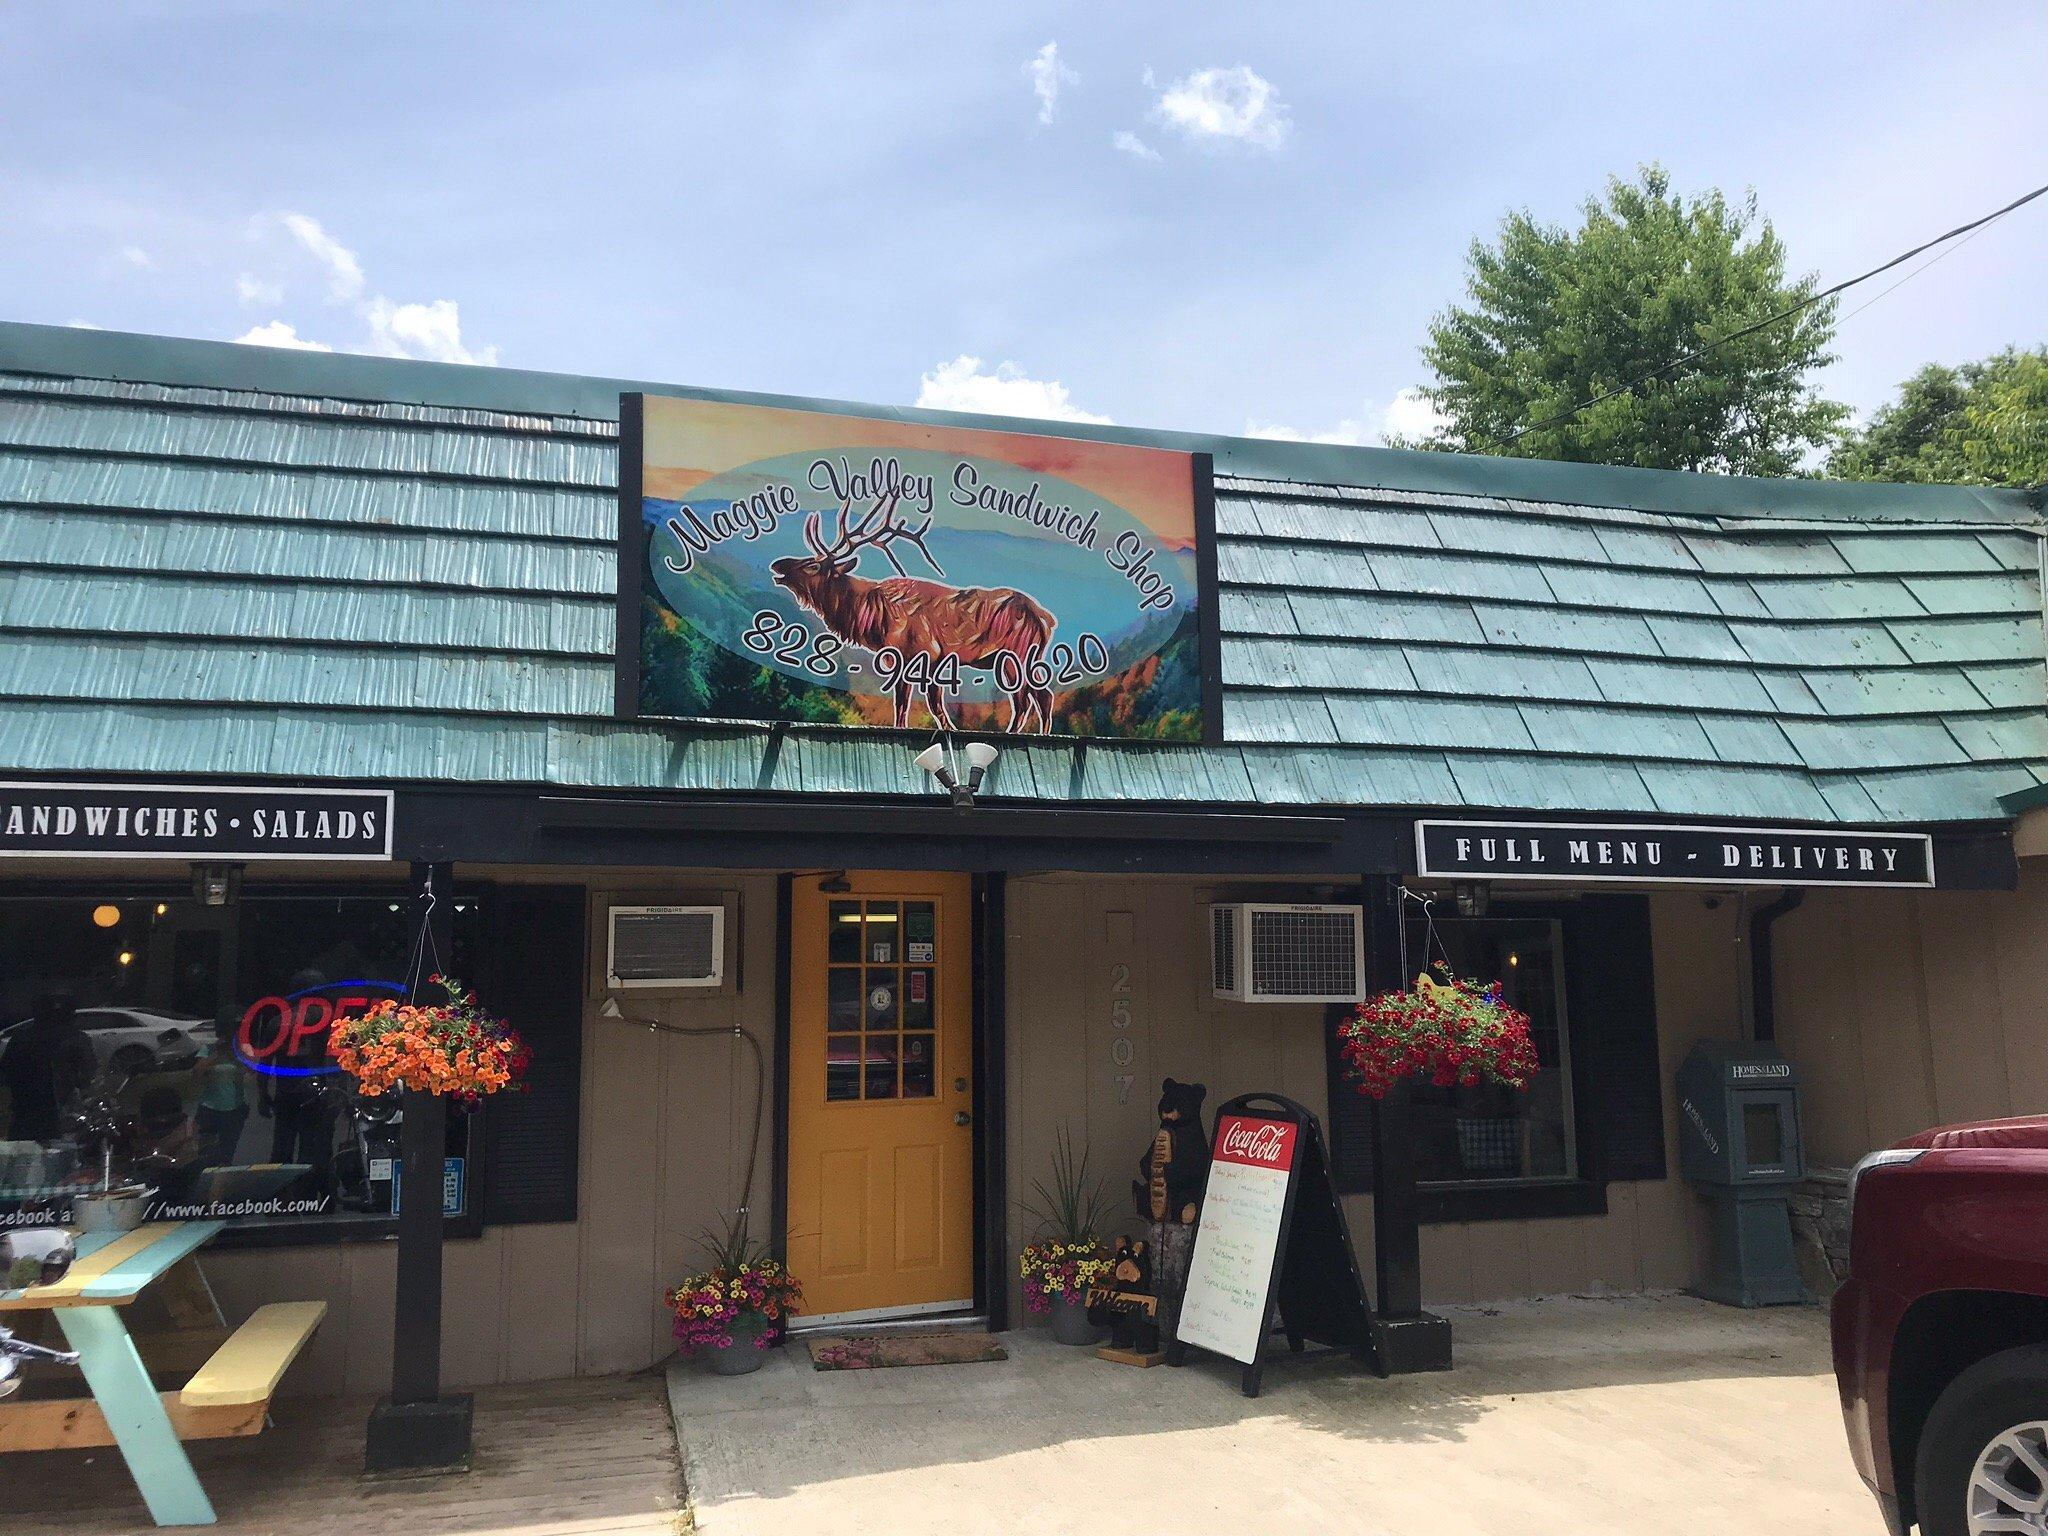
1784 314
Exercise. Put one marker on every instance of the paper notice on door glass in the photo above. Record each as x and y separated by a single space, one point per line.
1232 1269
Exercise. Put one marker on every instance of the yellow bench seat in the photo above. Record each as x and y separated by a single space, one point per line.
247 1368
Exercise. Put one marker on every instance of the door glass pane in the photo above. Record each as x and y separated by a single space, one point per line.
917 999
843 942
842 998
884 931
882 998
881 1054
920 932
919 1066
842 1067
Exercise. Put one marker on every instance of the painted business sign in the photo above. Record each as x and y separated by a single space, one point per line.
801 566
193 821
1502 850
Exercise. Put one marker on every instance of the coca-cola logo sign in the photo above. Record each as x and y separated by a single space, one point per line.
1256 1143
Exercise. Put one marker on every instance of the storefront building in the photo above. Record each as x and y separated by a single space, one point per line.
290 637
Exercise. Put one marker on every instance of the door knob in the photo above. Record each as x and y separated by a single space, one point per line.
961 1117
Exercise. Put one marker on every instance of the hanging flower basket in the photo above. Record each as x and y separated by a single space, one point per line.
1448 1030
453 1049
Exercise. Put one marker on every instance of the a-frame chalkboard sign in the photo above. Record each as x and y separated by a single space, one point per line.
1272 1239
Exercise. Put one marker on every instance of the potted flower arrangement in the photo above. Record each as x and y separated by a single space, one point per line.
454 1049
1448 1029
737 1310
1069 1254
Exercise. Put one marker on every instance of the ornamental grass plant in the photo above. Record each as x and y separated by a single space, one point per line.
744 1296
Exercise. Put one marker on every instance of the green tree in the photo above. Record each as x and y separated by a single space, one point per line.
1557 316
1984 423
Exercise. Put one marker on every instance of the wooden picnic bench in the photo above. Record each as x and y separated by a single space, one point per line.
230 1394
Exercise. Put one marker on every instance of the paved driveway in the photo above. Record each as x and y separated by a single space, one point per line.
1635 1415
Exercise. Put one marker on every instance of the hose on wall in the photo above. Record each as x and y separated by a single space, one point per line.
611 1010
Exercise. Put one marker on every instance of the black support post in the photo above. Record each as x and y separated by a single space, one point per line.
1415 1340
416 1428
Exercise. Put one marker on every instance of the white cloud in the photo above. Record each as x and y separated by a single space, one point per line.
251 289
1005 390
84 325
136 256
1347 432
1130 144
432 331
276 333
1236 105
1412 416
1409 417
1048 74
344 270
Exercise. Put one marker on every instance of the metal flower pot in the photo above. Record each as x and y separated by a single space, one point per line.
737 1358
120 1209
1070 1323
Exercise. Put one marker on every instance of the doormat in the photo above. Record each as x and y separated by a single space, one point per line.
882 1351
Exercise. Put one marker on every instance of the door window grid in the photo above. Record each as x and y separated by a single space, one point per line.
881 1001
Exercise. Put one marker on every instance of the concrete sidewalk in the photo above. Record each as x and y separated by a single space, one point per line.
1629 1415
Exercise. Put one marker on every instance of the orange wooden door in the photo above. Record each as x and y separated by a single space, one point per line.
881 1077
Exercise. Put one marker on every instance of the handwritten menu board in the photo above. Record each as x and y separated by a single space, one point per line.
1228 1302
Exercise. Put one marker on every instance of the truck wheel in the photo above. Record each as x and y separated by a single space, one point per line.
1982 1465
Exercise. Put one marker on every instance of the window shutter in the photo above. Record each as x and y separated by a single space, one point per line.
1350 1118
537 949
1611 994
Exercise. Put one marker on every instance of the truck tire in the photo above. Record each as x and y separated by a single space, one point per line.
1985 1445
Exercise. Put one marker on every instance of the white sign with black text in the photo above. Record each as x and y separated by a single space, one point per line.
1230 1277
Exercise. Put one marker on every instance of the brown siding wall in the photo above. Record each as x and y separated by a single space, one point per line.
1068 936
665 1121
1905 1011
1901 1010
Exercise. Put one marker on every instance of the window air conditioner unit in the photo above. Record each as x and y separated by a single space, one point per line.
1269 952
666 947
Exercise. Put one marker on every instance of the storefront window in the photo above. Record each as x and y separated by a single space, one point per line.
183 1049
1489 1134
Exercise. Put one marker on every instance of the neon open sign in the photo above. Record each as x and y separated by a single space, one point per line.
287 1036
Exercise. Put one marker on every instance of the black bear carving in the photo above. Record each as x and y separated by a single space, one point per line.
1175 1166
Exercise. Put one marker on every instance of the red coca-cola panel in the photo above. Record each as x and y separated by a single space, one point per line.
1256 1142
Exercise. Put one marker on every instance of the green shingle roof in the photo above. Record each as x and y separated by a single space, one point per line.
218 560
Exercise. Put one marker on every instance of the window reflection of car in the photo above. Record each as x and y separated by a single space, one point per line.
133 1041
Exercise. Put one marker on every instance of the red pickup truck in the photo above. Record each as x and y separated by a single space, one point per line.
1941 1329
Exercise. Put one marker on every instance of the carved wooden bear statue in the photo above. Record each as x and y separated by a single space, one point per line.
1175 1166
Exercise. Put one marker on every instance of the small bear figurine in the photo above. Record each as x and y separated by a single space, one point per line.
1175 1166
1131 1267
1122 1301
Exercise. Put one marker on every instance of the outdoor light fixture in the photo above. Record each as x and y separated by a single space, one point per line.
1472 897
980 756
216 885
106 915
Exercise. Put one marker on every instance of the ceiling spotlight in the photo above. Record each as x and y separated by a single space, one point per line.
106 915
980 756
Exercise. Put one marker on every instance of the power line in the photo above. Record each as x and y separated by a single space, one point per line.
1784 314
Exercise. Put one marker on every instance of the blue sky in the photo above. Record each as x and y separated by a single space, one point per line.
1222 218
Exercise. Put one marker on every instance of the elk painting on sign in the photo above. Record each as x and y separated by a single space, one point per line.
818 569
917 617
